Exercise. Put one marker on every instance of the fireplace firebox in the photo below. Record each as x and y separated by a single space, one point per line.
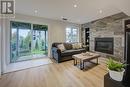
104 45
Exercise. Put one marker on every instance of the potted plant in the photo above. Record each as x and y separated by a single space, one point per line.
115 69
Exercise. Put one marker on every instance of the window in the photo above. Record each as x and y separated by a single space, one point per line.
72 35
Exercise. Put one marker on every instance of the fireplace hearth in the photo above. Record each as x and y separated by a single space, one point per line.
104 45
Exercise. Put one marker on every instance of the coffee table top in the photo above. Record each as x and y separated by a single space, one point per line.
87 55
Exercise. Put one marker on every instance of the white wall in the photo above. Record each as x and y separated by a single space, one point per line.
56 32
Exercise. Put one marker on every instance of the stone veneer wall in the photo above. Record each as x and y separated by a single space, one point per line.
111 26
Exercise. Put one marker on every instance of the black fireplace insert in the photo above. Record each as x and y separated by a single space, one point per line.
104 45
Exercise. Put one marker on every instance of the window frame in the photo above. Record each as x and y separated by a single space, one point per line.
72 28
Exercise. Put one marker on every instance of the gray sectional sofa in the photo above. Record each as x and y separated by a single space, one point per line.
64 55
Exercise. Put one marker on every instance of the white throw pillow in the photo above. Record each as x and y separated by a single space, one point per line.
61 47
74 46
77 45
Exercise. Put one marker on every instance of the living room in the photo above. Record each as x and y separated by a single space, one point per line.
63 40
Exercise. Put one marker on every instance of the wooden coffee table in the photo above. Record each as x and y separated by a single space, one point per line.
84 57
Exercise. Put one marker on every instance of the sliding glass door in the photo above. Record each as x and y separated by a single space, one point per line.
26 42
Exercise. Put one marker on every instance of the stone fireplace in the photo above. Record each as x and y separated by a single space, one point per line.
104 45
111 26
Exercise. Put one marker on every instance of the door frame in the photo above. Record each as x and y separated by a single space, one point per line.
46 36
0 48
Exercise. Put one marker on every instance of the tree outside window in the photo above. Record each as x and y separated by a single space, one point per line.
72 35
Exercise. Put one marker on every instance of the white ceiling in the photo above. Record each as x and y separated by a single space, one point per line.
86 11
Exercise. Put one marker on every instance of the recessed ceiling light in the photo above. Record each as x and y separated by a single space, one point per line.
75 5
35 11
100 11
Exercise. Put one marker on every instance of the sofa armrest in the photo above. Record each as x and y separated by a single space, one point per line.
56 53
56 50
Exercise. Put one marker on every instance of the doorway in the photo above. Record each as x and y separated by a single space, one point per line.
28 41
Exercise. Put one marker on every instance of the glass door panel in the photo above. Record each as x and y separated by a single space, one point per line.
39 47
24 44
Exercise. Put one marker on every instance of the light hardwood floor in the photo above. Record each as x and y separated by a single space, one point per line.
57 75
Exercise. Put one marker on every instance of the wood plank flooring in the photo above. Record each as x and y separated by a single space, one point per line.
57 75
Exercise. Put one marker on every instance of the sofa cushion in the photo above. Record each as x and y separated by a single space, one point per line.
82 50
68 46
71 52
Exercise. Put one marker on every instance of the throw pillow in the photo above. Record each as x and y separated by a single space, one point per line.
74 46
61 47
79 45
68 46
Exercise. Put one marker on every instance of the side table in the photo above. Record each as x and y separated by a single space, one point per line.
108 82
